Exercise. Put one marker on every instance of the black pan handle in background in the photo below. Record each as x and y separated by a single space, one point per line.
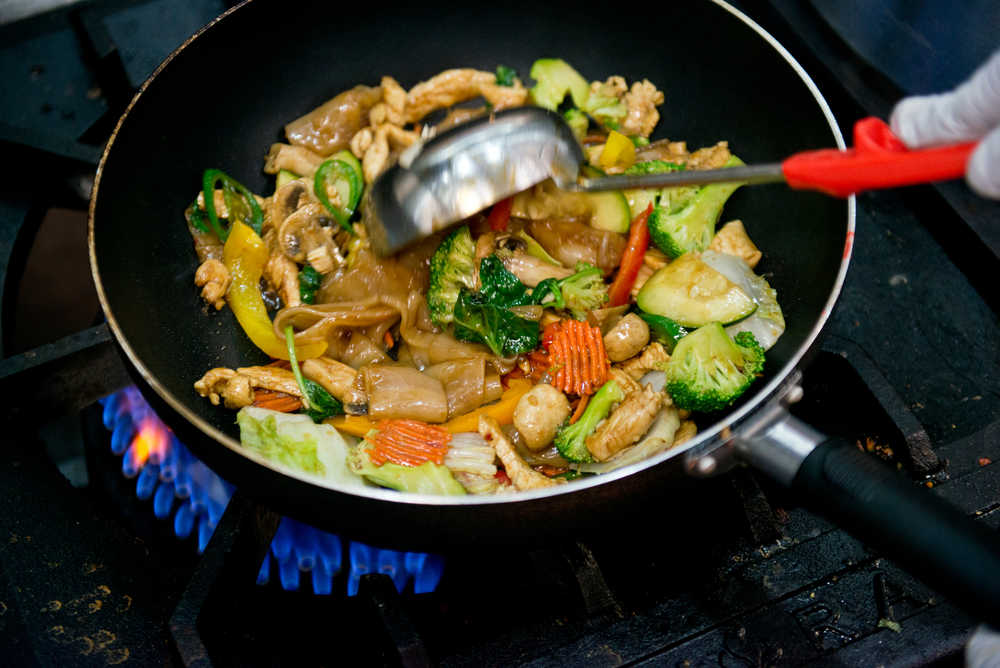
932 539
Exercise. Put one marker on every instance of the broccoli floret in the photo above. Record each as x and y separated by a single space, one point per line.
577 122
452 268
685 218
506 75
580 292
638 200
584 291
655 167
571 438
708 370
608 111
555 78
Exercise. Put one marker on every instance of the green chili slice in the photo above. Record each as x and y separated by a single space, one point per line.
197 217
343 177
240 203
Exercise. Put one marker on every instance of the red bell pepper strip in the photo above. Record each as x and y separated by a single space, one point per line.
635 251
500 215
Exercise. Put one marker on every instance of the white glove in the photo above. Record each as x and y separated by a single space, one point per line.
971 112
983 648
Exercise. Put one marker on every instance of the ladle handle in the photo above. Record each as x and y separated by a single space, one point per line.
925 534
878 160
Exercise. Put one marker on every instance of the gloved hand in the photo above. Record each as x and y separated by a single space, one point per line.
971 112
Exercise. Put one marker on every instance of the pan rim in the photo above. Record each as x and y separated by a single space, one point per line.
764 394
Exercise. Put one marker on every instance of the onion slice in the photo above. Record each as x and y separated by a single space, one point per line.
766 323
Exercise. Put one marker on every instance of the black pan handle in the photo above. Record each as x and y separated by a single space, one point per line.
925 534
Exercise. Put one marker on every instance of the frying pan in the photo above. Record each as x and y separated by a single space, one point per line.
222 98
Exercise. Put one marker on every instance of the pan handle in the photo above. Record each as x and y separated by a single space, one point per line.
930 537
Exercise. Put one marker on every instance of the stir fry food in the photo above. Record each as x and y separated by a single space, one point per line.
553 336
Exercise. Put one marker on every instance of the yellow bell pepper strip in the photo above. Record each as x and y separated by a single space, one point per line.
245 256
618 150
355 425
503 411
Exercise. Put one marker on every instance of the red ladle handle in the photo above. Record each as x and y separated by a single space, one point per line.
878 160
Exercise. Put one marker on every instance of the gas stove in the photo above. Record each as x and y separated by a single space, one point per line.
93 570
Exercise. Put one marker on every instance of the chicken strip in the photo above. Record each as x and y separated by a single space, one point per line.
522 475
643 275
732 239
237 387
376 145
221 384
625 381
626 424
653 354
296 159
282 275
213 278
710 157
272 378
641 116
458 85
336 378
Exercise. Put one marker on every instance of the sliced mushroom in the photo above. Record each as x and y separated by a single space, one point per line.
305 230
288 199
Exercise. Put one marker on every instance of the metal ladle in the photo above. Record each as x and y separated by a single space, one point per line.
474 165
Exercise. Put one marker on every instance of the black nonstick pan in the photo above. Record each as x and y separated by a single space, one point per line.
221 100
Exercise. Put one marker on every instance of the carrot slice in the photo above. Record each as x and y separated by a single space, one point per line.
576 350
409 442
276 401
580 406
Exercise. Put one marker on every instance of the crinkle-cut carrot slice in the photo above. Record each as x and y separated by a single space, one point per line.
409 442
577 356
